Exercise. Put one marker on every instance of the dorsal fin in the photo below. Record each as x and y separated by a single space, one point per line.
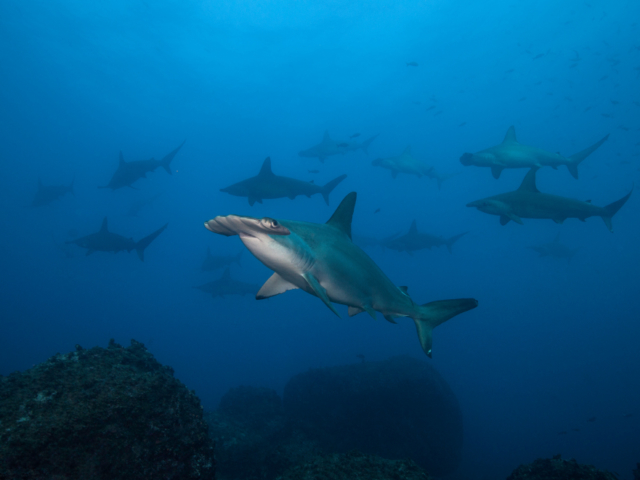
510 137
557 239
326 138
266 167
104 228
407 151
121 158
341 218
413 228
226 275
529 182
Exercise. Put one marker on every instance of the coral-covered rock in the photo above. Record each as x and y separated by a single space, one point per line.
398 408
113 413
355 465
558 469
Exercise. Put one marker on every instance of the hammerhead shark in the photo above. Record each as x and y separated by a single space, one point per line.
106 241
48 193
128 172
267 185
528 202
555 249
322 260
407 163
414 240
512 154
329 147
226 285
214 262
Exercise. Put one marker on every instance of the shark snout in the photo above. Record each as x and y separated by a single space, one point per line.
245 226
475 203
466 160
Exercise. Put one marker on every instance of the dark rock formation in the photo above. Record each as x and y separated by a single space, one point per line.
636 472
112 413
558 469
399 408
355 465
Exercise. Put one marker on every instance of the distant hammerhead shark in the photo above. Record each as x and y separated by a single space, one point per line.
267 185
128 172
528 202
226 285
555 249
214 262
329 147
407 163
414 240
512 154
48 193
322 260
105 241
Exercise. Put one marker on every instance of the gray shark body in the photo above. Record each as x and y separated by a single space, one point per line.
322 260
226 285
407 163
138 205
106 241
49 193
364 241
215 262
267 185
329 147
529 202
512 154
555 249
129 172
414 240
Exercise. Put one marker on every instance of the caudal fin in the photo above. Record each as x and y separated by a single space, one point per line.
611 209
166 161
452 240
365 145
326 190
432 314
574 160
146 241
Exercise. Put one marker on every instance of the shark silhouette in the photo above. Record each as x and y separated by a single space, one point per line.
48 193
214 262
226 285
555 249
414 240
322 260
329 147
106 241
529 202
128 172
512 154
267 185
407 163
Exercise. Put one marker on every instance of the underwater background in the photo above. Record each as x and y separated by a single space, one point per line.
548 363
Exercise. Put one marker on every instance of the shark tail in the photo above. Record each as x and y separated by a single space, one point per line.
611 209
366 143
441 178
166 161
146 241
432 314
450 241
574 160
328 188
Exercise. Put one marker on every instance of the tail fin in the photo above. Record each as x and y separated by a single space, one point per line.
326 190
146 241
453 240
237 257
365 145
612 209
442 178
574 160
166 161
432 314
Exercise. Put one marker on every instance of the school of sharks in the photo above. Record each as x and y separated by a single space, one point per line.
324 260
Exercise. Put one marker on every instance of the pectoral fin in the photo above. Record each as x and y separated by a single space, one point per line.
504 219
496 171
319 290
355 311
515 218
274 286
389 318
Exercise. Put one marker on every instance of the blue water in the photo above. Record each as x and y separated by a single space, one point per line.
551 344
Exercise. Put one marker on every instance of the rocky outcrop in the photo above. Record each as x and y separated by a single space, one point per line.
558 469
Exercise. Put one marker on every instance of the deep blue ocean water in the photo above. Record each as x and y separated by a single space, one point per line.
552 347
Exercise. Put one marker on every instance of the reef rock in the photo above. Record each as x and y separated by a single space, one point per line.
558 469
399 408
113 413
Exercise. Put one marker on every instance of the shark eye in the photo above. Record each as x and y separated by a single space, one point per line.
274 223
